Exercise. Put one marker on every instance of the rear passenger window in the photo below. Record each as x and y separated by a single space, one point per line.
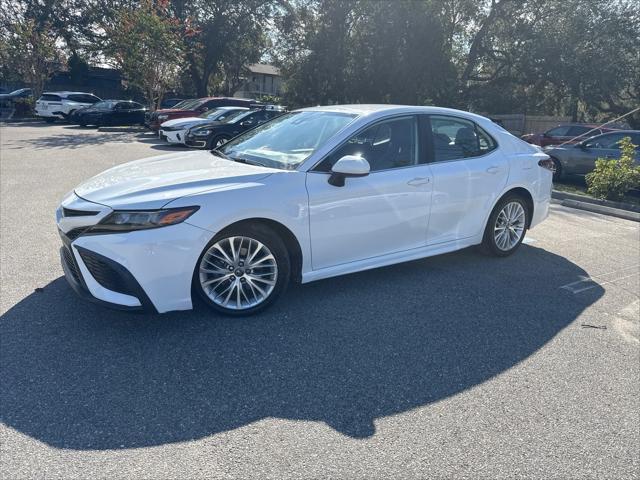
83 98
47 97
456 138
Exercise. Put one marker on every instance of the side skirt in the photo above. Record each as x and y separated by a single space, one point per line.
390 259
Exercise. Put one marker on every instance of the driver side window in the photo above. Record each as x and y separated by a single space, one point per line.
385 145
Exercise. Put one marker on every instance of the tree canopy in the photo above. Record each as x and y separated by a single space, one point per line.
557 57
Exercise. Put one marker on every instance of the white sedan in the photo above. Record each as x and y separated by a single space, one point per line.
312 194
174 131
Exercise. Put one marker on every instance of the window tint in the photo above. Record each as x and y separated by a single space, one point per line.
83 98
576 130
48 97
456 138
386 145
606 141
558 131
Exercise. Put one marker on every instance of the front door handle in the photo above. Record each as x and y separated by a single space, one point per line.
493 169
418 181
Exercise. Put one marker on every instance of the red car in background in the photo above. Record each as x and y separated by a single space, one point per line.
566 134
193 108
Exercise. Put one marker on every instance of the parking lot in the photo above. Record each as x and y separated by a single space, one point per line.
458 365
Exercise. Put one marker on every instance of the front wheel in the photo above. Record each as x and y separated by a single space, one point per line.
506 227
242 270
218 142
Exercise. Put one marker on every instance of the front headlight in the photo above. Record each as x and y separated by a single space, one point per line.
201 133
120 221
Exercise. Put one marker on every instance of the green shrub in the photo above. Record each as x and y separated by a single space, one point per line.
23 107
612 179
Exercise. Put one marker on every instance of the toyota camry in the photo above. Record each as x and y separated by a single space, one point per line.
312 194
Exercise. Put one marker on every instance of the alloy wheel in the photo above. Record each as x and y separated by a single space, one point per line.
510 225
238 273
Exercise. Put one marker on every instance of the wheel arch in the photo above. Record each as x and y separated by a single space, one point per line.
524 194
288 237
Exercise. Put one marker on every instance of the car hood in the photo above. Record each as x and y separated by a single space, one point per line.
211 123
154 182
185 122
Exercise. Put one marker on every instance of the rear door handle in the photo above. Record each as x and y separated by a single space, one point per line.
493 169
418 181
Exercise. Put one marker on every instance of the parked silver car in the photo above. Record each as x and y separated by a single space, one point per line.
580 159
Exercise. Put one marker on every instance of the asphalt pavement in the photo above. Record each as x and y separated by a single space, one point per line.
457 366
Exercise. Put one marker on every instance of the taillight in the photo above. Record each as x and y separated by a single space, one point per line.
548 164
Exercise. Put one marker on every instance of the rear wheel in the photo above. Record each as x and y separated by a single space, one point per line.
506 227
242 270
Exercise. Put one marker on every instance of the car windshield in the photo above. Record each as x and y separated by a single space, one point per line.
185 104
16 92
220 112
237 116
286 141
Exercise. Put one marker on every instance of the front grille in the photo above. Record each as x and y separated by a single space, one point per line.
71 264
70 212
104 274
75 233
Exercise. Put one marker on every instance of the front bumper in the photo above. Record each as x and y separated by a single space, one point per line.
48 114
196 142
149 270
73 274
172 136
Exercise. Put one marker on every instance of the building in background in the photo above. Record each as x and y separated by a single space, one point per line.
261 79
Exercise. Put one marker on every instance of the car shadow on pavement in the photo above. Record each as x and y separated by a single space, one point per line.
345 351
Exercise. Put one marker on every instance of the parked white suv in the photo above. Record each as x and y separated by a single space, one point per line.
53 105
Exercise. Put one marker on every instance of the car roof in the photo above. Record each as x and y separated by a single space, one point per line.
621 131
231 108
370 109
65 92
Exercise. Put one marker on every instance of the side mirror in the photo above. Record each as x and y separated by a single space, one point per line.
583 146
246 123
546 135
348 166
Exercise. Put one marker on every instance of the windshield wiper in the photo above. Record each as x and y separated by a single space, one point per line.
236 159
215 151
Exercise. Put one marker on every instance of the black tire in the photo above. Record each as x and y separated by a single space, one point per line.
270 240
49 119
557 174
489 245
212 144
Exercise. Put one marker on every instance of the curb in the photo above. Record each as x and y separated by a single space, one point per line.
604 207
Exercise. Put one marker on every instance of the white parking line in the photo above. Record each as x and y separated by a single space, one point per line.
586 283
